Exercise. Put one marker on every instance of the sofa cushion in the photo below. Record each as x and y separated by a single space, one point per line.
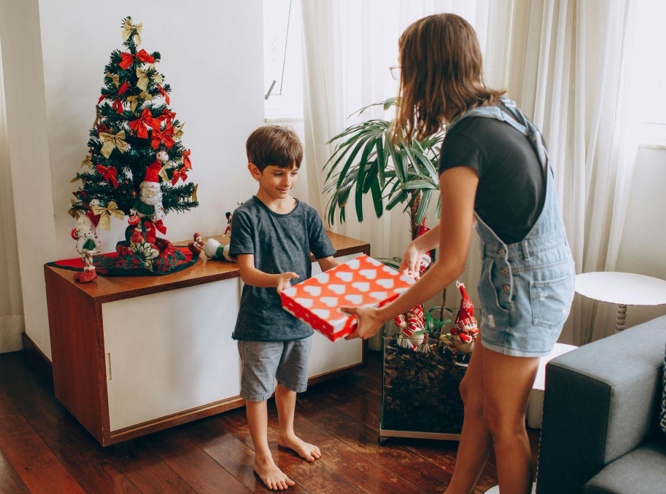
641 471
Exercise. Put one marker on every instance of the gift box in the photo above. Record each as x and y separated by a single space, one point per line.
361 282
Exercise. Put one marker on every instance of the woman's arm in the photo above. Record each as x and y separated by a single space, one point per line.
411 261
254 277
458 185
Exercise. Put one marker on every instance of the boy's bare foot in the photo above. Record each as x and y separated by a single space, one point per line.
307 451
274 478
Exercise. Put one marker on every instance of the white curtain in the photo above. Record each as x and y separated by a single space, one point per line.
571 70
568 65
11 303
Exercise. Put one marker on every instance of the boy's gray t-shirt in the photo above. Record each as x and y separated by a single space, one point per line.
279 243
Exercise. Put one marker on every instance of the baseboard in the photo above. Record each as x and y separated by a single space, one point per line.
36 357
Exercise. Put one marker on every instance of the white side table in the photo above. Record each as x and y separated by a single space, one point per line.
623 289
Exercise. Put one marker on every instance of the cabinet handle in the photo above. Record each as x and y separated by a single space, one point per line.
108 367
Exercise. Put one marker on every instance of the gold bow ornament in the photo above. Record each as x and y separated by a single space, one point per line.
134 100
105 214
178 131
113 141
114 77
87 161
128 28
142 74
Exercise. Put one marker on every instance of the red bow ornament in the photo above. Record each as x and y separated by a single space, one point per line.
144 57
166 136
118 105
167 116
164 93
182 173
186 159
109 173
140 124
123 87
127 60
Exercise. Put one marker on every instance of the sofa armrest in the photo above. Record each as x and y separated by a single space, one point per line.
600 403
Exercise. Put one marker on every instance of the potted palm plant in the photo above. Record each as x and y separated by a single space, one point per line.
420 395
366 160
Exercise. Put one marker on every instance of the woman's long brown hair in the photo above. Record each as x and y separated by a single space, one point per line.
441 75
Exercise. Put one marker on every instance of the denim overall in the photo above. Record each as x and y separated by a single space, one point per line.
526 288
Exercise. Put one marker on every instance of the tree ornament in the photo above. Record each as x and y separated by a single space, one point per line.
129 162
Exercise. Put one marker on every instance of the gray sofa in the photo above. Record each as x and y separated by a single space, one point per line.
600 422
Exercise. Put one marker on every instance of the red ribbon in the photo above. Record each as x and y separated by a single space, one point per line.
144 57
186 160
109 173
160 227
164 93
118 105
167 116
101 98
123 87
139 125
165 136
182 173
127 60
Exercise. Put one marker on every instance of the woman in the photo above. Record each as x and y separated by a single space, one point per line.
494 167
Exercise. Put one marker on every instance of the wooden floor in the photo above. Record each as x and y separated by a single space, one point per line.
44 450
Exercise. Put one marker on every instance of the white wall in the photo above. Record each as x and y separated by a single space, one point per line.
29 159
212 57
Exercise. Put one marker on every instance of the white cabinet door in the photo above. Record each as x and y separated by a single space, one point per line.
171 351
328 356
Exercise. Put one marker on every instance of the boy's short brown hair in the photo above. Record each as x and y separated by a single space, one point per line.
274 145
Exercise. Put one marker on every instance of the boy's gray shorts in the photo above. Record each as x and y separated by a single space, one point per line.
264 361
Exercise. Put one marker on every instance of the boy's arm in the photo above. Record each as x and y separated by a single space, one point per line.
327 263
254 277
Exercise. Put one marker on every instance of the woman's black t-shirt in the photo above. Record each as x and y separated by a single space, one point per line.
511 190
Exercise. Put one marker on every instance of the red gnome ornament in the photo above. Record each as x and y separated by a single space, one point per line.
462 336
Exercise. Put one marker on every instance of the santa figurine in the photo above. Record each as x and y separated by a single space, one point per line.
149 203
87 242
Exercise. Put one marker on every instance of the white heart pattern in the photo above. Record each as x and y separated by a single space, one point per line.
388 270
372 261
400 290
329 301
315 291
385 283
407 279
361 286
322 313
354 264
305 302
337 289
289 292
379 295
323 278
344 276
370 274
354 299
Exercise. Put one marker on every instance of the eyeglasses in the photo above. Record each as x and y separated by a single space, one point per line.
395 72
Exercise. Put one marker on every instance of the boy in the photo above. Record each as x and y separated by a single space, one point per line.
272 236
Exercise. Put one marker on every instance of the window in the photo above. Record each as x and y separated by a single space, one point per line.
283 81
650 53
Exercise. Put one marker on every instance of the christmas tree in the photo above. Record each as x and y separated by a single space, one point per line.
136 165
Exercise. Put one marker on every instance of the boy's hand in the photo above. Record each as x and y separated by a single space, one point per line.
283 280
411 262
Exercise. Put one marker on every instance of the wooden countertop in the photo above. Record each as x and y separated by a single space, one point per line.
107 289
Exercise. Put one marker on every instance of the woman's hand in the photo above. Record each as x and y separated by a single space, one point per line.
411 262
369 322
283 281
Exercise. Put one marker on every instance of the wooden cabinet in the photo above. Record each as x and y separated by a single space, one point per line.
134 355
